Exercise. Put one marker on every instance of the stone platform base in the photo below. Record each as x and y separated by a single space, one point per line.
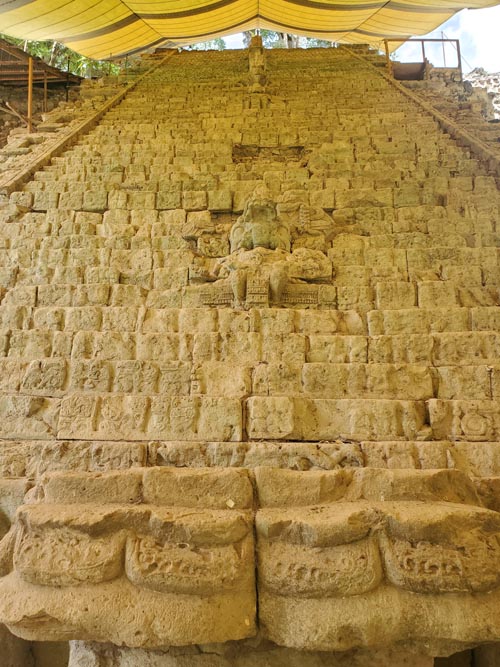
250 653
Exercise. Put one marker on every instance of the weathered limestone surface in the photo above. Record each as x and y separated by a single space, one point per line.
470 103
249 343
159 556
333 553
153 557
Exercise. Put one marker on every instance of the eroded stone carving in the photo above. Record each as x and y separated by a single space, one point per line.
157 556
260 225
136 417
257 65
311 227
336 548
150 557
273 259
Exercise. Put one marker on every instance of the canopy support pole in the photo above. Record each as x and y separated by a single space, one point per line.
45 91
459 56
30 94
67 80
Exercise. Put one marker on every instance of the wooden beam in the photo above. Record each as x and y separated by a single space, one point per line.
14 63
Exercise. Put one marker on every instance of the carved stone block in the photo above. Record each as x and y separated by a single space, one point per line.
149 557
293 455
28 416
335 548
411 382
139 417
325 419
33 458
465 420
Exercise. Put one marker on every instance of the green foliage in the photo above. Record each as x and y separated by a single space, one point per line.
284 40
217 44
57 55
315 43
270 38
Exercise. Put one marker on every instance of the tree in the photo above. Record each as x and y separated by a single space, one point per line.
284 40
270 38
315 43
57 55
217 44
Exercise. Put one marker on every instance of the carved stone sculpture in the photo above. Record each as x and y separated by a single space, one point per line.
374 558
262 267
260 226
150 557
257 65
145 558
311 227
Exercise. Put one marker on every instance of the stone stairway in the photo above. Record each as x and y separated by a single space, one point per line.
136 332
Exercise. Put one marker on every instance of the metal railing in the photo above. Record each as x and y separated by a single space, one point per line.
423 42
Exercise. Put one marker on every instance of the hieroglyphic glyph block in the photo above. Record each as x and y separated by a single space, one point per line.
33 458
146 557
336 548
327 419
465 420
130 417
28 416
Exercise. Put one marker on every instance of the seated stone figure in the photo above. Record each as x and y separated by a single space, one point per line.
259 226
260 244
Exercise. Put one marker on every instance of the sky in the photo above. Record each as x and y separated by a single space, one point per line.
477 29
479 33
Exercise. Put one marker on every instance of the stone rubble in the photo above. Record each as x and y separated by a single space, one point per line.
473 104
490 81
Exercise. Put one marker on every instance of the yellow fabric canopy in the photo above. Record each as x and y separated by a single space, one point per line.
114 28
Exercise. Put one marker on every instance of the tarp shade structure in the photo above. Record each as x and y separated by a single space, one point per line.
115 28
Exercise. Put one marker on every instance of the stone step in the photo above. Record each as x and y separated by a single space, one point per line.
455 349
57 377
142 417
33 458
